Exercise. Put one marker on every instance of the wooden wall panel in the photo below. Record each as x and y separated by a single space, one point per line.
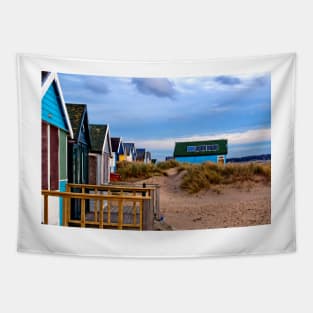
44 155
54 158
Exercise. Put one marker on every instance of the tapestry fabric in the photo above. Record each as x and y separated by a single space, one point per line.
156 159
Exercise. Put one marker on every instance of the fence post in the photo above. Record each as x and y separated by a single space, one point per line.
45 209
101 214
96 206
64 201
134 210
109 208
82 213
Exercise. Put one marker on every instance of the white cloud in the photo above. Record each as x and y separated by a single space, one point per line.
250 136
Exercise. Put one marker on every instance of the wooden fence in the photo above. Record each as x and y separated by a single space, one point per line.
121 207
154 193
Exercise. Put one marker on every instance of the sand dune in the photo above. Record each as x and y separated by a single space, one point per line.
234 205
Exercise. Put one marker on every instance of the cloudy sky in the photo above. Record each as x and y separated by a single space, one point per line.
156 112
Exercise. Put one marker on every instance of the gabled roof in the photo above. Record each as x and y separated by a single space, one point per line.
76 113
97 137
140 154
129 146
47 79
115 142
99 134
204 147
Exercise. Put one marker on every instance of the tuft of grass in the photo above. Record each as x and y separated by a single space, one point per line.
167 164
129 170
203 176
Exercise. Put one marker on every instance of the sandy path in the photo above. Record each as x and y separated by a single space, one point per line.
242 205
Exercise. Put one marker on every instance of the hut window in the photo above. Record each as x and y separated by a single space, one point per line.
203 148
191 148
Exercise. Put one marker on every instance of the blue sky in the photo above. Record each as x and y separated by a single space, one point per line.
156 112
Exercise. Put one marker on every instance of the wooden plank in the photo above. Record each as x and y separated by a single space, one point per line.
87 196
68 201
45 210
111 187
134 210
140 214
54 158
83 213
44 155
96 206
64 205
101 214
109 208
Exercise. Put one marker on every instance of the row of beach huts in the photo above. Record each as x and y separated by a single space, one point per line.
74 151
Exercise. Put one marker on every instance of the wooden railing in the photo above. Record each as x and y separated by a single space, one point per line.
150 190
154 193
100 210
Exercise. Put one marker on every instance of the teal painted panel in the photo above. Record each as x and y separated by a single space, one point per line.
51 108
198 159
62 187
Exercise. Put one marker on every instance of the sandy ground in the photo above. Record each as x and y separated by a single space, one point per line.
228 206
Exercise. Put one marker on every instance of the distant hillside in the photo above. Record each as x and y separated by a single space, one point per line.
262 157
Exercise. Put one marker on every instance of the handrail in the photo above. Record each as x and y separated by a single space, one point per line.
111 187
89 196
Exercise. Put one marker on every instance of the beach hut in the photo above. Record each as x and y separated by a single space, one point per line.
56 129
100 154
148 157
78 150
143 156
117 152
201 151
140 155
130 151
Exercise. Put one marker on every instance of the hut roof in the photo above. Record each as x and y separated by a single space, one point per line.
115 142
129 146
76 114
97 137
140 154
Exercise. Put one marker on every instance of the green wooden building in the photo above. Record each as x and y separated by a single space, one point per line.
201 151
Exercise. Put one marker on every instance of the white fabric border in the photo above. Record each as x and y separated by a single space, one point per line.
277 237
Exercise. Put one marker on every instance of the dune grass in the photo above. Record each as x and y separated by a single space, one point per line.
206 175
130 170
200 176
